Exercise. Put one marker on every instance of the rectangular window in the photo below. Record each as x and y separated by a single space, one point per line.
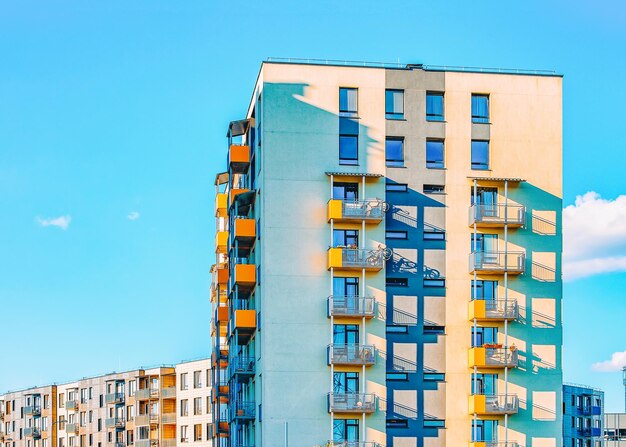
394 104
480 154
434 235
184 407
197 379
396 187
397 423
394 151
434 106
434 154
434 282
434 377
434 189
396 282
183 433
348 141
398 377
393 234
348 105
197 432
434 423
480 108
197 406
183 381
397 329
433 329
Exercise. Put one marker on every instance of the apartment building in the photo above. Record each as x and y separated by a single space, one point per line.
388 259
134 408
583 416
615 430
193 403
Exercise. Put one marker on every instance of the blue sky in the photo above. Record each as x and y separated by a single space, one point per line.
112 122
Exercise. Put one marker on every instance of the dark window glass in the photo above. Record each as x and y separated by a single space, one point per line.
434 106
345 191
480 108
346 238
484 290
394 104
394 151
480 154
433 189
345 430
348 101
397 423
396 187
434 282
434 154
348 150
348 126
433 329
482 335
397 282
391 234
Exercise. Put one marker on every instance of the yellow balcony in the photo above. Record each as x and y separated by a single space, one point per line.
494 358
221 242
245 275
245 230
221 205
370 211
493 405
239 158
355 259
493 310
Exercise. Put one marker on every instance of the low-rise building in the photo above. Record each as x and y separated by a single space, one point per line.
583 411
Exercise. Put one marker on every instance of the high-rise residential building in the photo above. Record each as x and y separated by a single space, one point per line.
134 408
388 259
583 416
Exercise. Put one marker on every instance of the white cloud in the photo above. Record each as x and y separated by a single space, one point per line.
594 236
61 221
618 360
133 215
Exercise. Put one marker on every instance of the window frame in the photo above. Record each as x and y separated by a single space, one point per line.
395 163
432 117
481 119
476 166
389 114
436 164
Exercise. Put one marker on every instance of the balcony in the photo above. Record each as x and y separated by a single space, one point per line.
146 443
114 398
222 276
355 259
32 410
168 442
243 410
168 418
497 262
496 357
71 427
168 392
146 419
351 354
370 211
114 423
590 410
115 444
493 310
220 391
590 432
234 192
221 204
490 216
146 393
221 242
245 275
239 158
242 367
351 306
351 403
219 429
71 405
244 324
493 405
244 230
354 444
493 444
220 353
32 432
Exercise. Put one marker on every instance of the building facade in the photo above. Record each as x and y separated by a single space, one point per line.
615 429
134 408
583 416
388 260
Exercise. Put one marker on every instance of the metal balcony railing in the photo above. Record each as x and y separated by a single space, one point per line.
243 410
168 443
115 444
370 209
32 432
501 404
351 403
146 419
71 427
32 410
168 418
242 365
591 410
362 258
590 431
501 357
351 306
168 392
500 309
71 404
114 398
497 261
351 354
146 393
114 422
496 215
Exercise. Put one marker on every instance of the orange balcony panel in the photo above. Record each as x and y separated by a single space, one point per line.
222 314
245 320
221 242
235 192
245 274
222 275
245 229
239 157
221 205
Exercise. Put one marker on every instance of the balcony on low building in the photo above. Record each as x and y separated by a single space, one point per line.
32 410
32 432
493 404
493 309
351 354
497 262
114 422
146 443
351 306
114 398
497 215
71 405
369 210
146 393
71 427
351 403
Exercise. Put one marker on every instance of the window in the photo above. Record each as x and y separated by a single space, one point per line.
432 234
480 108
480 154
348 141
434 189
396 187
434 154
184 407
434 423
197 432
392 234
346 191
434 106
397 329
394 104
394 151
402 377
434 282
397 423
183 433
396 282
434 377
197 406
132 387
433 329
183 381
346 238
346 431
197 379
348 101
